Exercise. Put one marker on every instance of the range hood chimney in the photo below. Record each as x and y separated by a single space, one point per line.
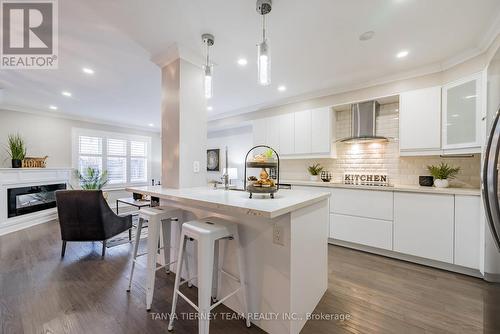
363 123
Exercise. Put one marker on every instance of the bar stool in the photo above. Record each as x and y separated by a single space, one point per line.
208 232
156 217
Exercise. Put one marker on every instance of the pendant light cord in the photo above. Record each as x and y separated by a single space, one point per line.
263 27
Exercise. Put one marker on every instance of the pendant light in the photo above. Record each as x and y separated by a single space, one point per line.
208 68
263 51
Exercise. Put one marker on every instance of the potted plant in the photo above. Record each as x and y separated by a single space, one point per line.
92 179
17 150
315 170
442 173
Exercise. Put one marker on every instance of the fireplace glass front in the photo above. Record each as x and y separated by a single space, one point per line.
21 201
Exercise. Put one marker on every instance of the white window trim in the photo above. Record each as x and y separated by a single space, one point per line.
77 132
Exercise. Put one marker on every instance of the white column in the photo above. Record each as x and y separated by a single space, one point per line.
184 124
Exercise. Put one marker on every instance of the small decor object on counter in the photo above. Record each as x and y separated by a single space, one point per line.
442 173
30 162
425 181
213 160
314 170
379 180
16 149
326 176
267 162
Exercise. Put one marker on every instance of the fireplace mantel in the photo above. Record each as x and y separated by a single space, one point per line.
24 177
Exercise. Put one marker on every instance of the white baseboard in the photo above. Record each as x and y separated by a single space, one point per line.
493 278
25 221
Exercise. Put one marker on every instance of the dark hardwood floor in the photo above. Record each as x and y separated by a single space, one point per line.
40 293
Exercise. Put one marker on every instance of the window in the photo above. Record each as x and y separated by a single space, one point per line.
125 158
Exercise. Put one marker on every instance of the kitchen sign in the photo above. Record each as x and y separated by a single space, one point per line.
366 179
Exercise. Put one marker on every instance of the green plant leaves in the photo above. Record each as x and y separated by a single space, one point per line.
16 147
315 169
92 178
443 171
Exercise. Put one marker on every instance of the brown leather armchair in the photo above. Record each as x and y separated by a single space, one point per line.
84 215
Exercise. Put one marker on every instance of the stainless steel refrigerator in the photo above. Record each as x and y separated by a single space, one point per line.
490 181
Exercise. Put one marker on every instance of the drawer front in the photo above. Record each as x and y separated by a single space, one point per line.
363 203
467 231
423 225
364 231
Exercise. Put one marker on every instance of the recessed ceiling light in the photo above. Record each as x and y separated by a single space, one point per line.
66 93
402 54
87 70
470 97
52 107
242 62
210 108
151 124
281 88
455 115
367 35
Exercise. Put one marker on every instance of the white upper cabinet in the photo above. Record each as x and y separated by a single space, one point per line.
285 131
303 132
420 121
259 131
321 135
272 133
462 113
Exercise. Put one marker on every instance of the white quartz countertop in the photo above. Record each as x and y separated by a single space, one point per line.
401 188
284 201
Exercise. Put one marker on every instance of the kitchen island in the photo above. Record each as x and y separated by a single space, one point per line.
284 241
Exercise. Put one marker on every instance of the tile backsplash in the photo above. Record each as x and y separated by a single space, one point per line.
382 158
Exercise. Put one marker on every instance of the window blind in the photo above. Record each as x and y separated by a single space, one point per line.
125 160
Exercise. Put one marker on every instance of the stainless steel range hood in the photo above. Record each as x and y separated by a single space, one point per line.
363 123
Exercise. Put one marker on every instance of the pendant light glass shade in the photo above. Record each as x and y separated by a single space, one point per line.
263 51
264 63
208 69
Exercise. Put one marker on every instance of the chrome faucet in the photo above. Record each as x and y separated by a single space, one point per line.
225 176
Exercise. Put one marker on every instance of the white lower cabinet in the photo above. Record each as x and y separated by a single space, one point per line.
361 230
441 227
423 225
362 217
375 204
467 231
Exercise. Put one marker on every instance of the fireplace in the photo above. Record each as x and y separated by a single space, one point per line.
24 200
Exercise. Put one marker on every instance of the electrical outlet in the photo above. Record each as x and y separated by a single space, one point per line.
278 235
196 166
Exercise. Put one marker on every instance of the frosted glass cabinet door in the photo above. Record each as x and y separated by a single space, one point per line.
461 113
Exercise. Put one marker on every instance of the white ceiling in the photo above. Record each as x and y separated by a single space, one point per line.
314 45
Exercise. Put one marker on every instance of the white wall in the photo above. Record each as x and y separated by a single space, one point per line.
238 142
184 125
51 136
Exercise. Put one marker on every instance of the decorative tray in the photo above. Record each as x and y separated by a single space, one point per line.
262 164
261 190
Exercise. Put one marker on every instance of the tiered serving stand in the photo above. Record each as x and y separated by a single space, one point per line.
265 165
